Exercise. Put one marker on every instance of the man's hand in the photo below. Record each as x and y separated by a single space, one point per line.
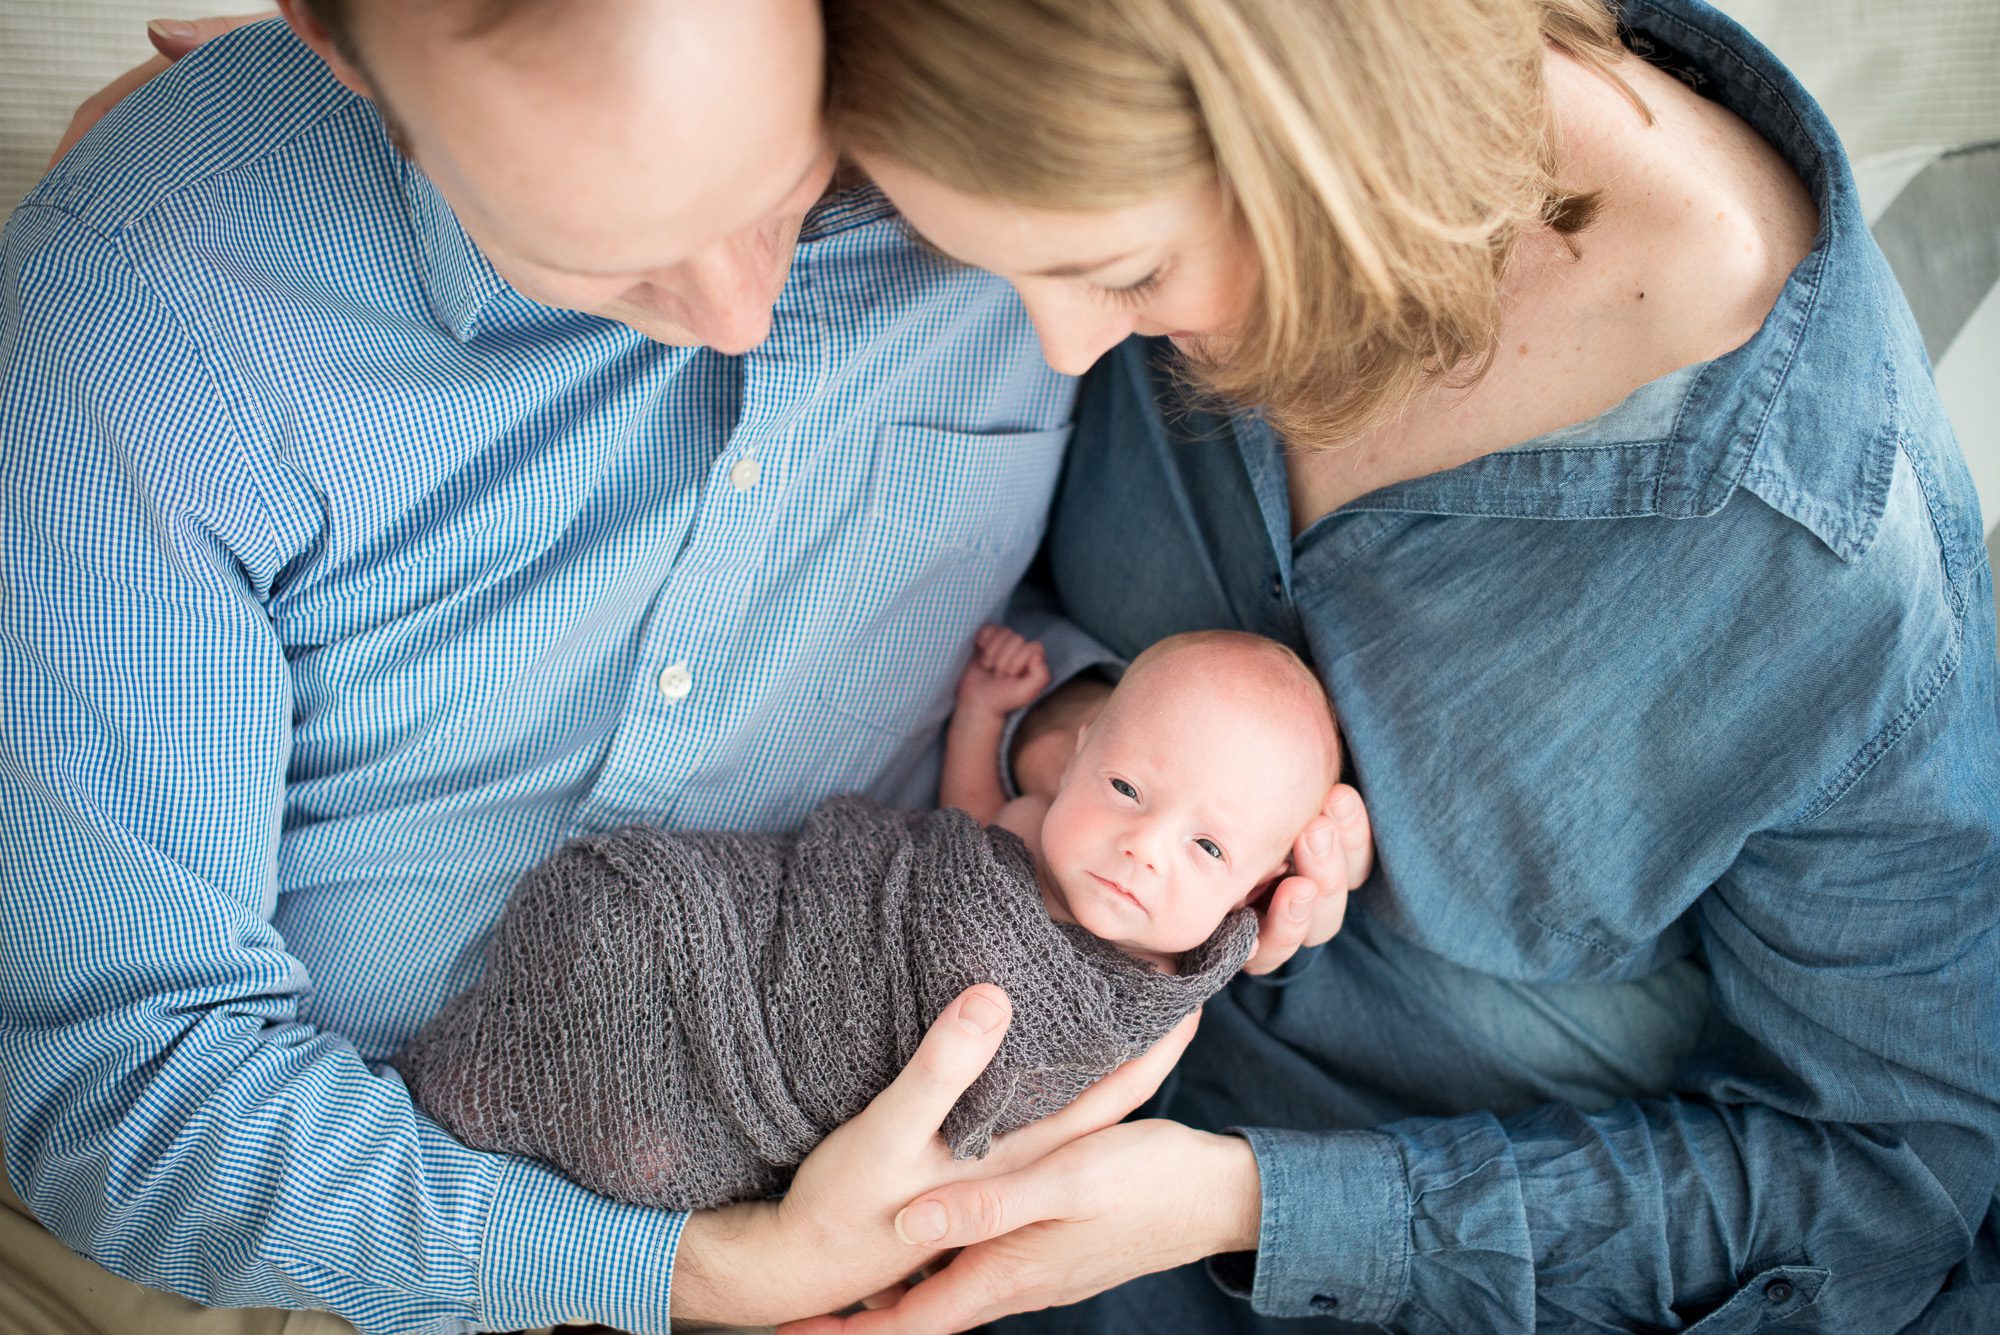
1127 1201
832 1240
1007 671
172 38
1333 856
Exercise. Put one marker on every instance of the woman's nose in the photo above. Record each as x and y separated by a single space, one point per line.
1075 329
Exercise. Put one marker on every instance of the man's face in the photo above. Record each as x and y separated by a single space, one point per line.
645 160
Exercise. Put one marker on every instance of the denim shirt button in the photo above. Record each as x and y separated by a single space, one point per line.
1778 1291
1324 1302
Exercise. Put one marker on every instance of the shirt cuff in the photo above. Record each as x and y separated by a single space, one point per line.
1334 1236
554 1252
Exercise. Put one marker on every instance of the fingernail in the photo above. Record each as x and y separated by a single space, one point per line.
920 1223
1346 806
1320 841
1301 907
171 30
979 1015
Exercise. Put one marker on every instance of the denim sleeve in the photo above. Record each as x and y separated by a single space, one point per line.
169 1112
1824 1160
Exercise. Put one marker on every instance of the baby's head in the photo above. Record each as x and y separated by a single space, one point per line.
1188 791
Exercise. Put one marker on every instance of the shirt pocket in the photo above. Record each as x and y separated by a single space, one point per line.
951 521
1771 1298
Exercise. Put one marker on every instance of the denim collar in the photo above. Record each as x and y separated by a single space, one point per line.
1679 447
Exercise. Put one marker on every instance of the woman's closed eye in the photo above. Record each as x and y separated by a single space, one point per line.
1134 293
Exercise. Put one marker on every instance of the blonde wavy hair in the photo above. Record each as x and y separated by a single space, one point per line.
1384 157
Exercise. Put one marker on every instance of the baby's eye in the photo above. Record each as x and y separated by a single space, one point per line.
1210 847
1124 789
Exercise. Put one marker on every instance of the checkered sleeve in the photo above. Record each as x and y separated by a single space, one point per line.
168 1111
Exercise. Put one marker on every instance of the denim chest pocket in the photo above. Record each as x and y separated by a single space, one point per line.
952 519
1768 1301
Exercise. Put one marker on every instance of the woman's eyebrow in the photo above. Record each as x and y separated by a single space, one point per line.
1079 270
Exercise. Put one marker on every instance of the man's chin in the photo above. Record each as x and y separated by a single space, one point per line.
660 330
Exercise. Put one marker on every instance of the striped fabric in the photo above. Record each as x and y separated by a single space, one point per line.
341 584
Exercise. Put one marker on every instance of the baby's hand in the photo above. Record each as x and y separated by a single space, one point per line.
1006 671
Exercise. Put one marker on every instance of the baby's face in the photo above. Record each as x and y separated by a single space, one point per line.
1173 813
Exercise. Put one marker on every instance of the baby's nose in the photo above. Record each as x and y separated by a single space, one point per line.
1142 850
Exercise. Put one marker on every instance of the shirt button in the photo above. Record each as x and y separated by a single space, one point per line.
676 682
745 474
1778 1291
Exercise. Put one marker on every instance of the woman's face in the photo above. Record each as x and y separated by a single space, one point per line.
1178 265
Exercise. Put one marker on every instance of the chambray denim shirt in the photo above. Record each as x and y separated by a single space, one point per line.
341 585
1709 676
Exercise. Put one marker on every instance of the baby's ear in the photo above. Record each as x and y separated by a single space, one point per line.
1263 888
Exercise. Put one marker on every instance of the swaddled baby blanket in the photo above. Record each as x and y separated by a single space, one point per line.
676 1020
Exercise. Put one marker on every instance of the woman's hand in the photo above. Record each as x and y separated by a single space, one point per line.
1332 857
1125 1202
832 1239
172 38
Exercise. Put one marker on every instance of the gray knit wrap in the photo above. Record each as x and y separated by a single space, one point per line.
676 1020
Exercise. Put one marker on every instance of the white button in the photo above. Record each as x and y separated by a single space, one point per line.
745 474
676 682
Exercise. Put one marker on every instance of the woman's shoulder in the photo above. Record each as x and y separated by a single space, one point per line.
1721 222
1701 225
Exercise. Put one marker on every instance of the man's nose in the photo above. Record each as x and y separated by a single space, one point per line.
1074 328
725 294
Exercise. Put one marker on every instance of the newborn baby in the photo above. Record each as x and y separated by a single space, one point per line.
1183 796
677 1019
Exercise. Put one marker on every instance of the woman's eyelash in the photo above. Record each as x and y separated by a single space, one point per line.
1134 292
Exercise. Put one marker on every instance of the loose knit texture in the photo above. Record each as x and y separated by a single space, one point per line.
676 1020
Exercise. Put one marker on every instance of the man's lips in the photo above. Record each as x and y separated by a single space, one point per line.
1116 889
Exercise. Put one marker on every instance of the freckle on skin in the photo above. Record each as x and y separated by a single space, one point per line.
1642 296
1521 351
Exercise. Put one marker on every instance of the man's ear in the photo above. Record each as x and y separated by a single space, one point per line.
302 21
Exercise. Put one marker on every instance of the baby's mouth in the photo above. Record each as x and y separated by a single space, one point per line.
1117 889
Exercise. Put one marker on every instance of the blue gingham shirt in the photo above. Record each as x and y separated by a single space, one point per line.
342 584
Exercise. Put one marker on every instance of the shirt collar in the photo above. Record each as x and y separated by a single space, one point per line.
457 278
461 284
1800 408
